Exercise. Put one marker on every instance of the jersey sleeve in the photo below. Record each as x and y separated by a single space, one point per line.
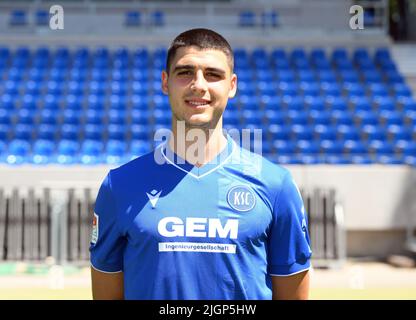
289 244
107 243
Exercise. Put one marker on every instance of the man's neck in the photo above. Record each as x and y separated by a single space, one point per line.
198 146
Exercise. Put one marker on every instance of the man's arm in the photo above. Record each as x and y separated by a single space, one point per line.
294 287
107 286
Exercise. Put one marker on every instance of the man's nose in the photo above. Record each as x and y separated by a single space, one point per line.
199 84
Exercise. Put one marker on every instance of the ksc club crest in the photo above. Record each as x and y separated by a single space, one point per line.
241 198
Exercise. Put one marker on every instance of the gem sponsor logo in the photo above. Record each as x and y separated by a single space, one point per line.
198 227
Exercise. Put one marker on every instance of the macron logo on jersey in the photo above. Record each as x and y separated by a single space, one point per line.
153 197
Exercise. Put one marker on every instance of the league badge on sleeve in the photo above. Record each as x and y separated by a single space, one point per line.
94 235
241 198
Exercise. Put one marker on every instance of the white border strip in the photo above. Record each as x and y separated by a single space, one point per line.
291 274
109 272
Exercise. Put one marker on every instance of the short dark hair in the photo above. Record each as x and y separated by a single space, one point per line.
203 39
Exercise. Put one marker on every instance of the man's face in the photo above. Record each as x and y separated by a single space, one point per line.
199 85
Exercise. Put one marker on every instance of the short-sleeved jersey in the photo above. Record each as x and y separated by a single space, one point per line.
219 231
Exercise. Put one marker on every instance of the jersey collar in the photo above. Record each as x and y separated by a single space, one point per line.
199 172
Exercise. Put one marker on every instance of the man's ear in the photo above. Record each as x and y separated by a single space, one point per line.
165 82
233 86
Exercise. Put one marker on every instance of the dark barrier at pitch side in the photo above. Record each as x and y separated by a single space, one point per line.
36 226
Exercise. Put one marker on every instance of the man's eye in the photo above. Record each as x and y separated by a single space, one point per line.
185 73
213 75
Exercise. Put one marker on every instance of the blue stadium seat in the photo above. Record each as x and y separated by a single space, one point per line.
115 152
285 75
402 90
5 132
325 132
140 132
388 117
332 147
47 131
389 159
361 159
71 117
302 132
117 132
43 151
275 117
406 148
284 147
42 18
355 147
268 102
378 89
384 103
91 152
23 131
353 89
94 117
18 152
342 117
269 18
5 116
48 116
116 117
139 148
252 117
309 88
374 132
73 102
330 88
360 103
320 117
30 102
307 147
288 88
398 132
247 19
293 102
406 103
336 103
249 102
70 132
279 132
93 132
18 18
162 117
297 117
381 147
337 159
348 132
366 117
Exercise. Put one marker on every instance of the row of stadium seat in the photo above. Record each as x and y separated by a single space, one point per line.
134 18
312 103
116 151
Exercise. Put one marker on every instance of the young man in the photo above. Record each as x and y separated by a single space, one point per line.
211 222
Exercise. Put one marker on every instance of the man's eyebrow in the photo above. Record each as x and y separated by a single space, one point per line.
184 67
191 67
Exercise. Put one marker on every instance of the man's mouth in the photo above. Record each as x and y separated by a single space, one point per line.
197 103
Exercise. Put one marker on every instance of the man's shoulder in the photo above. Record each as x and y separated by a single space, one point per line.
258 164
143 163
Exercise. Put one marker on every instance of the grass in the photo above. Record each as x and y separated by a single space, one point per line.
316 294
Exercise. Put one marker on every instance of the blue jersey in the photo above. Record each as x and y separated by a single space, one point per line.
219 231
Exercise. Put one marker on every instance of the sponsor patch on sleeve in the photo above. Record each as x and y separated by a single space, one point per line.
94 235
